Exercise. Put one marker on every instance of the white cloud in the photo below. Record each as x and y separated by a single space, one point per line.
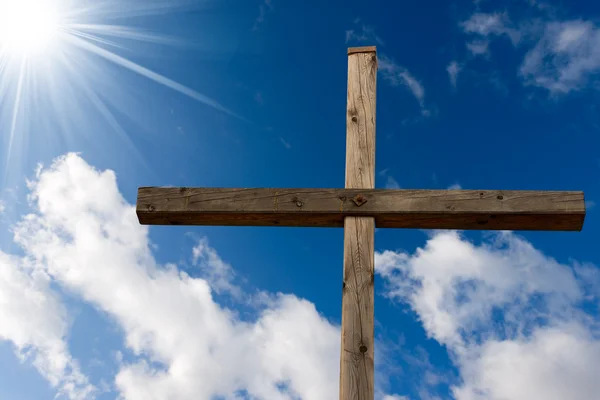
397 75
566 57
34 320
87 238
455 186
496 24
215 271
492 306
506 313
2 207
551 364
453 70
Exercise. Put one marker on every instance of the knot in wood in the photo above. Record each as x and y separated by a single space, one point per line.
299 203
359 200
362 348
354 118
500 197
150 207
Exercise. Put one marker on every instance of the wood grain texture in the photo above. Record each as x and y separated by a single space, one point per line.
357 358
424 209
357 354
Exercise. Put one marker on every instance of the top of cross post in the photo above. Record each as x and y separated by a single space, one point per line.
365 49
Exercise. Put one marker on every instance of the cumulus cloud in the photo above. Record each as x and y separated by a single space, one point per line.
397 75
34 320
505 311
86 237
508 315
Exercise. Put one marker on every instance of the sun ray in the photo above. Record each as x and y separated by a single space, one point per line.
124 32
143 71
106 114
15 113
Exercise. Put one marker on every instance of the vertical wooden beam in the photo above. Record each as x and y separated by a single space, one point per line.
357 352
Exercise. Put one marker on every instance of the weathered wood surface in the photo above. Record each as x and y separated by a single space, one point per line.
425 209
357 344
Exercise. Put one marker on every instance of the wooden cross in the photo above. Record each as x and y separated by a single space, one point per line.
359 208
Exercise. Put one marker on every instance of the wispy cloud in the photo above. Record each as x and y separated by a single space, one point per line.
495 24
285 143
455 186
362 33
263 9
393 73
561 55
453 70
478 47
391 183
397 75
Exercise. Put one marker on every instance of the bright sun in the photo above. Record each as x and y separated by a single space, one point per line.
28 26
57 63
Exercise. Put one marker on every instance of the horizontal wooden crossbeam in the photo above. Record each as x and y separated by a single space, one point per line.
425 209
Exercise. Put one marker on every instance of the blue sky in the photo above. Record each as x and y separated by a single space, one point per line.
472 95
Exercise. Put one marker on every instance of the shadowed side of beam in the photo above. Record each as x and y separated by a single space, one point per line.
423 209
